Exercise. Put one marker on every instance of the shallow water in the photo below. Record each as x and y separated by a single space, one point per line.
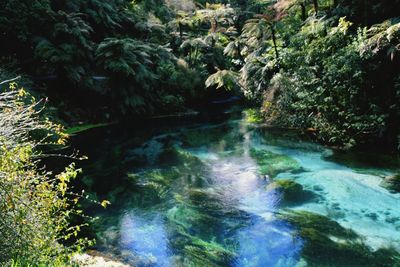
211 195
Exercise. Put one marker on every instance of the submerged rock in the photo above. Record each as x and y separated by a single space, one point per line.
392 183
272 164
94 258
292 192
326 241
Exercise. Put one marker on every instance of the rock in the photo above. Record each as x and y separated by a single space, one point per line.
392 183
318 188
392 219
94 259
293 192
372 215
325 240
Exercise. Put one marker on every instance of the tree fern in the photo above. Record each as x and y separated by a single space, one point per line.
223 79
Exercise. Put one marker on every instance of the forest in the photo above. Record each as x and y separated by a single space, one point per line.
192 132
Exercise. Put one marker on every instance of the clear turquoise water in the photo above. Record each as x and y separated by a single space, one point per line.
197 196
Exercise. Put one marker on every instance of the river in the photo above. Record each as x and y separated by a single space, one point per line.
230 193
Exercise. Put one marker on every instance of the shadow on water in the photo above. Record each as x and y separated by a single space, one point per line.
228 193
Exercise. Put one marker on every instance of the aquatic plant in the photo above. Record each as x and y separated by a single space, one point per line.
326 239
191 228
202 253
180 158
272 164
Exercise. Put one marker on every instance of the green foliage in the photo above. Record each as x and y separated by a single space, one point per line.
76 42
328 66
36 207
383 37
82 128
323 86
253 115
310 68
69 49
314 94
147 75
223 78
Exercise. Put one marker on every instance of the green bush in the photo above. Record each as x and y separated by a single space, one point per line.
36 206
329 83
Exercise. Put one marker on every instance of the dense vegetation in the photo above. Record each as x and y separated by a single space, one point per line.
330 67
322 65
36 206
327 66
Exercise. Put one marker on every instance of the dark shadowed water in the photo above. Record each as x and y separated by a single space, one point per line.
230 193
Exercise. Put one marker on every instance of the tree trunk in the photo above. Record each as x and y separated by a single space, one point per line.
214 25
366 17
190 57
315 3
303 11
274 41
180 31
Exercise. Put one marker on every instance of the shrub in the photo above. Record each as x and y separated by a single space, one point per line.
36 206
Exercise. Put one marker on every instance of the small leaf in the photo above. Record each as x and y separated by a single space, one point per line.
105 203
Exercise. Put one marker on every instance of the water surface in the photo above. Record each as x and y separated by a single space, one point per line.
234 194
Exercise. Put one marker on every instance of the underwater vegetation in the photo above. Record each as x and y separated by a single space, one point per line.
329 244
194 237
272 164
231 195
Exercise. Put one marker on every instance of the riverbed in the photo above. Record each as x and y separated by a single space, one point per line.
232 193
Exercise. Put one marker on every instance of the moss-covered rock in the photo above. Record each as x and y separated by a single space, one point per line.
392 183
292 192
272 164
326 241
317 222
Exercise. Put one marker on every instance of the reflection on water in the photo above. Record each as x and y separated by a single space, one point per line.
147 238
267 242
219 195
